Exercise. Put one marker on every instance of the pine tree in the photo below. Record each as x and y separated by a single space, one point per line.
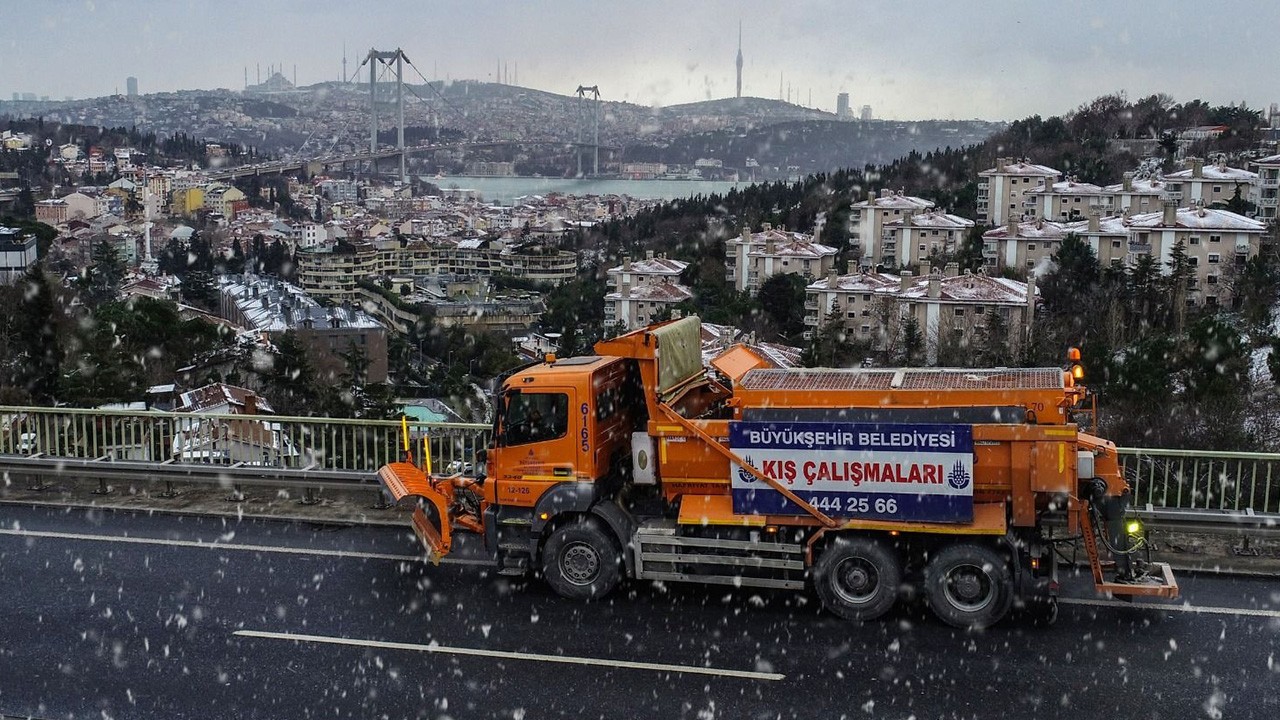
103 277
37 333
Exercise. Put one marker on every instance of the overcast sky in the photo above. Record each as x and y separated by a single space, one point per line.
994 59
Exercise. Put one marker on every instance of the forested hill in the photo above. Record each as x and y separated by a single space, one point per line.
817 145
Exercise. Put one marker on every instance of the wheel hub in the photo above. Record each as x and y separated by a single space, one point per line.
969 588
580 564
856 580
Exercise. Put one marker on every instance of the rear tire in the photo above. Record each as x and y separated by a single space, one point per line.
857 578
580 561
968 586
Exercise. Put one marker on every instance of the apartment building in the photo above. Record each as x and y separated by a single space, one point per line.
868 218
753 258
17 253
1265 192
1002 189
1023 246
947 306
1215 241
1209 184
642 289
273 308
913 238
332 271
1134 195
1066 200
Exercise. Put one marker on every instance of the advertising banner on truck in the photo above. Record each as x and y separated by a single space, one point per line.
881 471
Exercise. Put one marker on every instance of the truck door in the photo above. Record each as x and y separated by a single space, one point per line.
537 444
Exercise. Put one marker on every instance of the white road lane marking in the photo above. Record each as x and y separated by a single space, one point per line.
505 655
242 547
1196 609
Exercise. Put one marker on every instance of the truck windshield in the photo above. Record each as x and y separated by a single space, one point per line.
535 417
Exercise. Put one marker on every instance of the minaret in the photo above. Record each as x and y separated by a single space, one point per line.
739 58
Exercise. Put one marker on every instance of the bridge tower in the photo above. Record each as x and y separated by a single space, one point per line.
581 139
386 57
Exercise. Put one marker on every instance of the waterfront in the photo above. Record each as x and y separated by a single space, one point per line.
504 190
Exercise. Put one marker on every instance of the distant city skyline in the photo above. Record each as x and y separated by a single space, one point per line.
995 60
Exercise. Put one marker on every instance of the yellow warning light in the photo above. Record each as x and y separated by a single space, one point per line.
1134 527
544 516
1073 354
1077 372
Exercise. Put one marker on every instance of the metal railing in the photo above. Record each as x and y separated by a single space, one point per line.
1239 482
261 441
1235 483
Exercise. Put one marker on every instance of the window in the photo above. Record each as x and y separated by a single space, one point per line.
866 329
1115 262
866 298
1031 246
1214 257
1212 280
1115 243
1215 238
534 417
1193 261
959 312
1193 240
866 312
1217 189
980 310
1211 300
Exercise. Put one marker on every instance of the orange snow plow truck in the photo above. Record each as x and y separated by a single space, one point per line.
638 462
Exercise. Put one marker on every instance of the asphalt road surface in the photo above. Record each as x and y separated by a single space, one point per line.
112 614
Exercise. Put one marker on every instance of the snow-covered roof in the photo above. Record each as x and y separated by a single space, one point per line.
1069 187
1140 186
1200 218
1039 229
895 201
858 282
797 248
1214 172
1268 160
656 292
1021 167
935 219
970 289
652 266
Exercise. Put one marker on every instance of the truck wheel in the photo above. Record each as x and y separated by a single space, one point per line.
580 561
857 578
968 586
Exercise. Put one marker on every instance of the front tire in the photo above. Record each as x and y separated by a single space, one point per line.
857 578
580 561
968 586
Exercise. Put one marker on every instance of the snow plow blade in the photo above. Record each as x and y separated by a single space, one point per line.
431 516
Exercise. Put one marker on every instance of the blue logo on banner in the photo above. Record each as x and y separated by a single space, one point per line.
958 478
745 475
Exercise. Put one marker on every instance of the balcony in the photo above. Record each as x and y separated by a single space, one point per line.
811 320
1136 247
811 305
1243 249
1269 182
990 252
983 186
1267 202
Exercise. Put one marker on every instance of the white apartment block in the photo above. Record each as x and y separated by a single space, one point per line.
1002 189
1265 192
948 307
753 258
1135 195
913 238
1216 241
1208 184
642 289
1023 246
867 220
1065 200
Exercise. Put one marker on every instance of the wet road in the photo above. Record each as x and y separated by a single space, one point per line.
125 615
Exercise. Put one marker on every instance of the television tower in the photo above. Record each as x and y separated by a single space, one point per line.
739 58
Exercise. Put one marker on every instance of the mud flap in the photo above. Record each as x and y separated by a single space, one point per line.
431 516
